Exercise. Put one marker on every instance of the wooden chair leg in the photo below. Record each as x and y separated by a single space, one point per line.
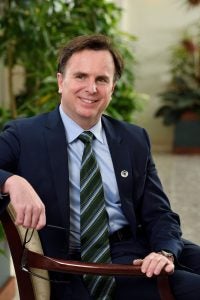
164 288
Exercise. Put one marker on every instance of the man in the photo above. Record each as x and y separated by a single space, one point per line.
40 160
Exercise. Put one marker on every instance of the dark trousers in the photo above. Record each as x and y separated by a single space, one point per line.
185 281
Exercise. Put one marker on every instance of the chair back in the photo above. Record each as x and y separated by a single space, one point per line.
30 287
34 288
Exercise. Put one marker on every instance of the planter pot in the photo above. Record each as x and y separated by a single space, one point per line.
7 282
187 134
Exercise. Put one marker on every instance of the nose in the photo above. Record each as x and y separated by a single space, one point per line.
91 87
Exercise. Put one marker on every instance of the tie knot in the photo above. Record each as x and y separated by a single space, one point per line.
86 137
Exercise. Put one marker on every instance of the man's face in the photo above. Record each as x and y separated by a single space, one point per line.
87 85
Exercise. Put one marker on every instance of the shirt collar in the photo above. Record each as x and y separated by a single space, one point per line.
73 130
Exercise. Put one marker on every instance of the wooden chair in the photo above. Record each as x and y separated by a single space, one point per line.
31 259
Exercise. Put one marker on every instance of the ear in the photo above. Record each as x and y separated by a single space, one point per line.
113 87
60 82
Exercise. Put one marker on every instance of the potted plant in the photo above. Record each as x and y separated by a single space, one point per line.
24 26
181 99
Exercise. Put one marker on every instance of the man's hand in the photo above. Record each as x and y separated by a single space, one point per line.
154 263
29 209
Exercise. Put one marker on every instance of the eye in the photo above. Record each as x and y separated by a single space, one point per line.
103 79
80 76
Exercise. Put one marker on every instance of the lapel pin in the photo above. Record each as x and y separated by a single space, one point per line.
124 173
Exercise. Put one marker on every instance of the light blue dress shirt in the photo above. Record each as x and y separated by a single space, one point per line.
75 151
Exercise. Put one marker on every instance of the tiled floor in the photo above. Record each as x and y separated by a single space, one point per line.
180 175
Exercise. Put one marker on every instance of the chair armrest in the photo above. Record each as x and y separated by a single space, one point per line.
34 260
38 261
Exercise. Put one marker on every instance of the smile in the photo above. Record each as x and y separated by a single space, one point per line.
88 100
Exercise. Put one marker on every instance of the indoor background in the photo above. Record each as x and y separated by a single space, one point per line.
158 25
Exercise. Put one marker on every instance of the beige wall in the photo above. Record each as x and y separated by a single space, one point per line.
157 24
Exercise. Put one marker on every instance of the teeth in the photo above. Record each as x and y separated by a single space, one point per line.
88 101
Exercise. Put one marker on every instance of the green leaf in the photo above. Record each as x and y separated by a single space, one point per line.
37 29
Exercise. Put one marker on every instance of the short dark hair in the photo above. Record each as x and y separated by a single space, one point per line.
94 42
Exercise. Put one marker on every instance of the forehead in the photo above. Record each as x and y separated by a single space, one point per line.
100 61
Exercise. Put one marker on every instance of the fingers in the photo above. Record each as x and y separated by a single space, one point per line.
28 207
41 222
154 263
31 216
170 268
138 262
19 213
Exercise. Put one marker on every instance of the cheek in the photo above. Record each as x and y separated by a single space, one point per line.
69 88
108 95
75 88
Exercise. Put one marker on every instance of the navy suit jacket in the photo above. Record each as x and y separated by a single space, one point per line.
36 149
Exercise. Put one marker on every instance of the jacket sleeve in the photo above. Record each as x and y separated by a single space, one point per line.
9 150
161 224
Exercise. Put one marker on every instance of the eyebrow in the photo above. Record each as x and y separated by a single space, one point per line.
86 74
79 73
105 77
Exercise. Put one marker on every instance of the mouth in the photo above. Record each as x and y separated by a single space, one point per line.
88 101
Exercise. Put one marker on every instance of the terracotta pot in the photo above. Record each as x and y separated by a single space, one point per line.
194 2
190 116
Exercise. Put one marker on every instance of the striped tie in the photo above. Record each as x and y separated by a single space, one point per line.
94 221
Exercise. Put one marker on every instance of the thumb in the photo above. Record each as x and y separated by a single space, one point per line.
169 269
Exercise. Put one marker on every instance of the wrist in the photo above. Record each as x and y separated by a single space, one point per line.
6 185
167 254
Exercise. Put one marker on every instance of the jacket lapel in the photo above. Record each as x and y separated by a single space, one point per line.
122 166
57 152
